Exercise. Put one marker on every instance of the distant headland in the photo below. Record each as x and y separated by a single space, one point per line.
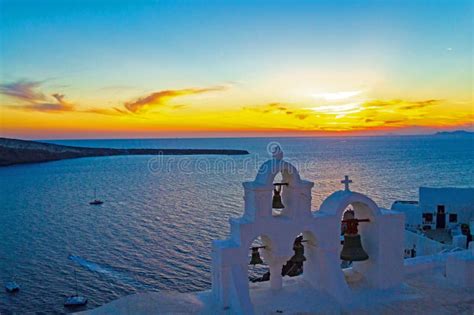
456 133
15 151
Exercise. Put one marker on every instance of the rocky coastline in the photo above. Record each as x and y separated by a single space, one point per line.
15 151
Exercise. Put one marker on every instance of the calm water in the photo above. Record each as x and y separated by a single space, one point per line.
155 228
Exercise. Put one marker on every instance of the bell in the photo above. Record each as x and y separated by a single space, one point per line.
276 202
352 249
298 257
255 260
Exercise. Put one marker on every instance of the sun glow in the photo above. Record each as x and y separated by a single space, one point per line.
337 96
338 109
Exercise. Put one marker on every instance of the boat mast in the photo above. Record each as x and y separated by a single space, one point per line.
75 277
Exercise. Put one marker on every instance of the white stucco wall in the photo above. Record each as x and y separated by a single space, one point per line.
424 246
412 211
455 200
458 201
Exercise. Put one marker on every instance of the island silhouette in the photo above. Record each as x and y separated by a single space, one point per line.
15 151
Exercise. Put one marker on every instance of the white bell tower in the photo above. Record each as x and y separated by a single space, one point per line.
321 232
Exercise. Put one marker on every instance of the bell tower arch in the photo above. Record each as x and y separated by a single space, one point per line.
382 237
296 195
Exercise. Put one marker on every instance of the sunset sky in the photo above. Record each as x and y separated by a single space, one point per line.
116 69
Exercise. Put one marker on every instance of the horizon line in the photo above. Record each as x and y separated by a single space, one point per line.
242 137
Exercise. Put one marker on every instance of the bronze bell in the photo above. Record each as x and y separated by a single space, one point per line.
298 257
352 249
276 202
255 260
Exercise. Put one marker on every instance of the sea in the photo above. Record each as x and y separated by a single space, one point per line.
161 213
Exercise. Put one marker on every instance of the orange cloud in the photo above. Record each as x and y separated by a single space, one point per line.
280 108
162 97
110 112
399 103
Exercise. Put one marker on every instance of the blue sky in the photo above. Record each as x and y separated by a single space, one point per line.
63 38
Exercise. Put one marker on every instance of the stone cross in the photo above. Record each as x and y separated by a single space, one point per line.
346 182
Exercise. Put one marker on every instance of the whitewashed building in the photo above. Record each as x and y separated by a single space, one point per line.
438 208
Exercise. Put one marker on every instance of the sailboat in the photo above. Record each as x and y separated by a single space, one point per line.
76 299
96 201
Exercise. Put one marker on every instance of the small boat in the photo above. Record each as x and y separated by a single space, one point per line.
96 201
75 299
12 286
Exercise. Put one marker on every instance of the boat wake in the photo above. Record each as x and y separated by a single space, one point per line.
108 272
